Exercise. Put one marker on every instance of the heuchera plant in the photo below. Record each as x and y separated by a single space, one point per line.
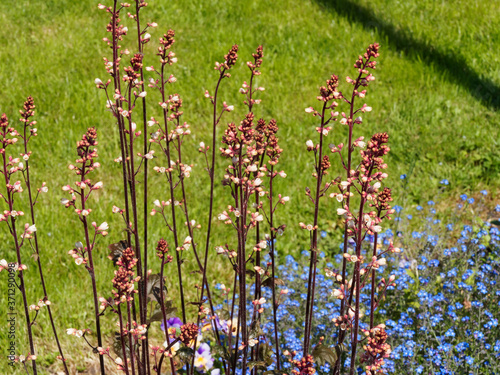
363 179
11 167
233 340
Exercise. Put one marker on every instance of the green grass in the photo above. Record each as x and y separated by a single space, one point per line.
436 94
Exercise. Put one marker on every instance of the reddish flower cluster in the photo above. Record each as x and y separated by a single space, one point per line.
231 57
166 43
329 92
382 201
376 350
305 366
189 332
373 156
29 106
258 55
133 71
273 149
7 133
162 251
123 282
83 147
325 164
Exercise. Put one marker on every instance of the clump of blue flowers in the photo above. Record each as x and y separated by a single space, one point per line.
442 315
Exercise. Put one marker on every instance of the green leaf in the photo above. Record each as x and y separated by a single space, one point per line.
153 288
250 273
185 353
265 353
257 364
323 354
269 282
255 331
157 315
117 345
224 314
221 351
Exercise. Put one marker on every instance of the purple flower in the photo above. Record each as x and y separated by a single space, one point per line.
172 323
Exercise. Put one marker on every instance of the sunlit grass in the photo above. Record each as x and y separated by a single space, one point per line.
439 129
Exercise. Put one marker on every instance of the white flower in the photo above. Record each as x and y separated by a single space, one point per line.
377 228
103 226
157 203
98 185
339 197
143 94
146 36
31 229
252 168
309 109
338 294
187 243
202 144
262 244
341 211
98 82
223 216
78 261
382 262
377 185
151 123
310 144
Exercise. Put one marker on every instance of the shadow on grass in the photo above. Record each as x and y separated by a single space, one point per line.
453 66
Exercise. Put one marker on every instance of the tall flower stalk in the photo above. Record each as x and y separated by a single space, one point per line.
79 196
246 147
322 163
10 166
28 132
122 102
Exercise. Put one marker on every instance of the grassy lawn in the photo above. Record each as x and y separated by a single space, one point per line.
436 93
